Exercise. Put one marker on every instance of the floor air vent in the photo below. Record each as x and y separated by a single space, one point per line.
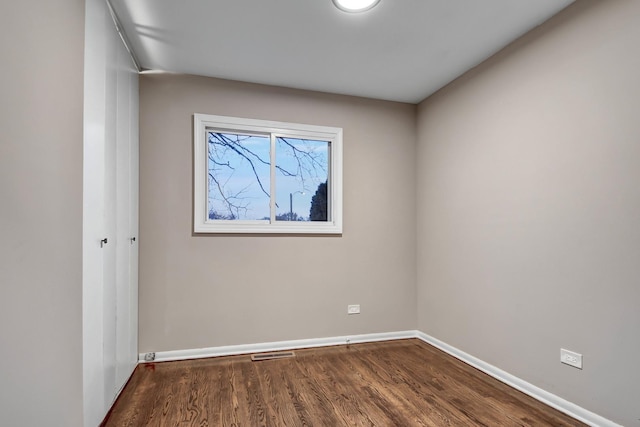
272 356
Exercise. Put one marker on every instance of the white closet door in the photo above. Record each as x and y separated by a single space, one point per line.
93 228
110 192
126 219
134 166
110 216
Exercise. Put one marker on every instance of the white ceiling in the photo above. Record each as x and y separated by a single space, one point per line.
401 50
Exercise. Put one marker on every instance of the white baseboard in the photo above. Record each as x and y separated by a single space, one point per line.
537 393
230 350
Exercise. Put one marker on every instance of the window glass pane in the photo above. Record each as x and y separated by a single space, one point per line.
239 176
302 170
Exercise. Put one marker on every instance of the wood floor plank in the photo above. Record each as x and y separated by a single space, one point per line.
396 383
419 402
309 388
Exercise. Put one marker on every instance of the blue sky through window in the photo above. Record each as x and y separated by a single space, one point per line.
239 184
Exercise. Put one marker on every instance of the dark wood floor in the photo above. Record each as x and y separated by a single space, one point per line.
395 383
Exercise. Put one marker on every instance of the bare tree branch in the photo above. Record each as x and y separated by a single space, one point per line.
229 200
221 139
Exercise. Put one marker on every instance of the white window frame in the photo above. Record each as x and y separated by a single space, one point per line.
201 222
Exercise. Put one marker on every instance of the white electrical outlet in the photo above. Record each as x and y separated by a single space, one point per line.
353 309
571 358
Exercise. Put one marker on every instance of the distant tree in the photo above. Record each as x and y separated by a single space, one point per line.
215 215
288 216
318 210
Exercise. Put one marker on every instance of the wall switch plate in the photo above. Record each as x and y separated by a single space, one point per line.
571 358
353 309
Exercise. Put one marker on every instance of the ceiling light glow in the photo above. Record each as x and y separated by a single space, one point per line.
355 5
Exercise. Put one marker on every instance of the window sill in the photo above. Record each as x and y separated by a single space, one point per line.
270 228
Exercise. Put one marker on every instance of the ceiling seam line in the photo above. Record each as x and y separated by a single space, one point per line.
123 37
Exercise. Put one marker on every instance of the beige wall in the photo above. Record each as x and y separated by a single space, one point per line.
214 290
41 46
529 208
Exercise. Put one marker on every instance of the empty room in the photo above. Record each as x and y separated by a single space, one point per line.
321 212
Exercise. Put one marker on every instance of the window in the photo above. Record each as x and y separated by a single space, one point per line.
256 176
